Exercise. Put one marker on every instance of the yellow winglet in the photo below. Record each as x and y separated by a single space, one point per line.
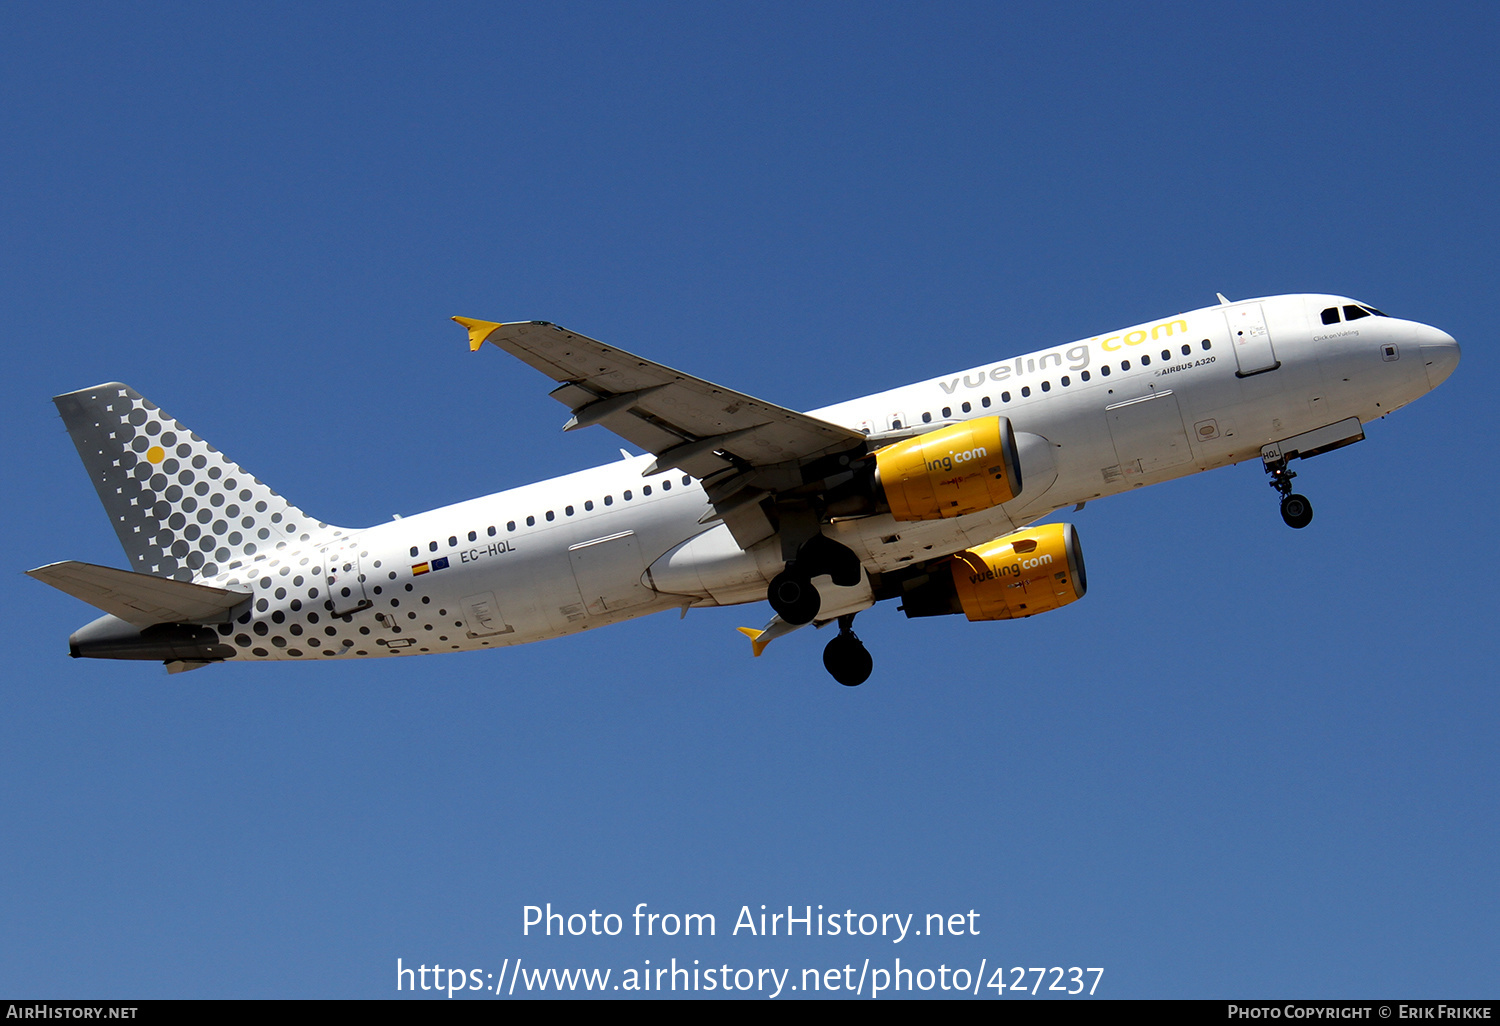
756 645
478 331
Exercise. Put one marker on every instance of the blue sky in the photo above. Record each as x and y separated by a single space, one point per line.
1252 762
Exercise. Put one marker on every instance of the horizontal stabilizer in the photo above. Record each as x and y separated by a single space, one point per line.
141 600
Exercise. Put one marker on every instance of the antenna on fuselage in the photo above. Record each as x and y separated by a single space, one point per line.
1222 300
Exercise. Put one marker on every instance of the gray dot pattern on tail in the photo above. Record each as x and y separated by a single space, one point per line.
181 509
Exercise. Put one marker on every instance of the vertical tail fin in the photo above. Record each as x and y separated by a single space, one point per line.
180 507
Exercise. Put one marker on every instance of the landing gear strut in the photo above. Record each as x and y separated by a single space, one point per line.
846 657
1295 509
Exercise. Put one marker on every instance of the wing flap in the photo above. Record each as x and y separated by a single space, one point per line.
141 600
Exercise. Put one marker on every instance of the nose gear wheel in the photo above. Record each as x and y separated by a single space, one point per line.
1296 511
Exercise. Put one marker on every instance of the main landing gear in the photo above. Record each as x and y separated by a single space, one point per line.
792 594
1295 509
797 602
846 657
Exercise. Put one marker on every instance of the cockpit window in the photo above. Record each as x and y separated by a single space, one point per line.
1354 313
1331 315
1374 311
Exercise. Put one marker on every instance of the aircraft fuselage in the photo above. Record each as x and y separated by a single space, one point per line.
1093 418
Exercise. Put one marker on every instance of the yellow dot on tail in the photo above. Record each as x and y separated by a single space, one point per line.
155 454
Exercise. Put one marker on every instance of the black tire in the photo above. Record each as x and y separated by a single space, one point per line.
794 598
847 660
1296 511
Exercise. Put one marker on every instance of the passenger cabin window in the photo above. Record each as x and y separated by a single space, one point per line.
947 412
967 407
473 536
985 402
926 418
1331 315
531 521
1354 313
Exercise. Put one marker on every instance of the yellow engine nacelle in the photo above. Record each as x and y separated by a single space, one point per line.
1021 574
959 469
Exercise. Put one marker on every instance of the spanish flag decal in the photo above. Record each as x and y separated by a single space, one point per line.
419 569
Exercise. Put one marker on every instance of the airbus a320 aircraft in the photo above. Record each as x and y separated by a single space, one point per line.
921 494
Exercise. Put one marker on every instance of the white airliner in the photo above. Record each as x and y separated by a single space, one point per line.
922 494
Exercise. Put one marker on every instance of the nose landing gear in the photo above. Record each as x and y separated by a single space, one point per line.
846 658
1296 511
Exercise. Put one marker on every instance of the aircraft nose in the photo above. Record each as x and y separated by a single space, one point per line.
1440 355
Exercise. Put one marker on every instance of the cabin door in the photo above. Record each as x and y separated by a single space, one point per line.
1251 339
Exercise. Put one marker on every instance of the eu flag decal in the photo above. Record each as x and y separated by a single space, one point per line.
440 564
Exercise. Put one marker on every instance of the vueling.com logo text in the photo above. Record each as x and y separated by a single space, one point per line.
1012 569
947 462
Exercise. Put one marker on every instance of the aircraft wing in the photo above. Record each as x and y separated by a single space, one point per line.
745 450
